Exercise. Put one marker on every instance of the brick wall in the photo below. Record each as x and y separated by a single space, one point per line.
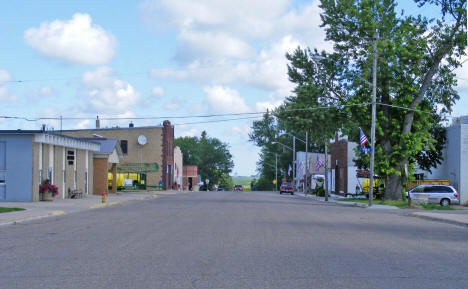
167 155
100 175
190 172
339 157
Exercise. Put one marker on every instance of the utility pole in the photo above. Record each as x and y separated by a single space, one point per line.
374 92
307 164
276 172
326 172
294 163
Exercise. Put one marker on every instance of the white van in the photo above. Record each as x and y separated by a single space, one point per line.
444 195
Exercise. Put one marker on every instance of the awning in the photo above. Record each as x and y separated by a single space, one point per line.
140 168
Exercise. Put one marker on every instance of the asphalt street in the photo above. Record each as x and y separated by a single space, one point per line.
233 240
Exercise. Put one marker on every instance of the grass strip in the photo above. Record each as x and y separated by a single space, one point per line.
400 204
7 210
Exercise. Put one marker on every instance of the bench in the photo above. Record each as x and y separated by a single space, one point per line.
75 194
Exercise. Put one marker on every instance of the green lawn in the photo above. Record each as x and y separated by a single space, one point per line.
399 204
7 210
244 181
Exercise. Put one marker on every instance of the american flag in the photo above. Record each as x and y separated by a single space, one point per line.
363 138
318 164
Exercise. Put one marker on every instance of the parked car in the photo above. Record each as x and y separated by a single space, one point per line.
238 188
444 195
220 189
287 188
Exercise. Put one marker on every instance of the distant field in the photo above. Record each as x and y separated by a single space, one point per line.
244 181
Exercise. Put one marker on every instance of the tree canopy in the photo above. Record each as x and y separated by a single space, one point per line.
415 82
212 157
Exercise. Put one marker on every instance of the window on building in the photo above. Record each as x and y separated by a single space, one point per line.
124 146
70 157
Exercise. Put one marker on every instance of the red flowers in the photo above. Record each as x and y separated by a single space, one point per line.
47 186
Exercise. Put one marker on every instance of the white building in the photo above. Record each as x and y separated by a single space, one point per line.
309 162
455 164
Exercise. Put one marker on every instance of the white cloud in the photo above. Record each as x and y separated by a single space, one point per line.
158 91
254 18
242 131
74 40
41 92
216 44
5 95
45 90
5 75
225 100
264 105
105 94
189 133
267 71
172 105
462 73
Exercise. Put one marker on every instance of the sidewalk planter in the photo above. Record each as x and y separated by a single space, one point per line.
48 191
47 196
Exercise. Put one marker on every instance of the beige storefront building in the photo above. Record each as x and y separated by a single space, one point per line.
148 151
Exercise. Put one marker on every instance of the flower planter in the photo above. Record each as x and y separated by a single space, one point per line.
47 196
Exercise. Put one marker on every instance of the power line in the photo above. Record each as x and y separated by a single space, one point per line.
175 117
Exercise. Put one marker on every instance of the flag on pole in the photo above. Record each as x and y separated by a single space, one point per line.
300 168
318 164
289 170
363 138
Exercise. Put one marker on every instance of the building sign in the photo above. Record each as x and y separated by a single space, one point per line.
138 168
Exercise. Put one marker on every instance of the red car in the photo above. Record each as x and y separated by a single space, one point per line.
287 188
238 188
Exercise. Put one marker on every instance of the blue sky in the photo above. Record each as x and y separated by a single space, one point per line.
156 58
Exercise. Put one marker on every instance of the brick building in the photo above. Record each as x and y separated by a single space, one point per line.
190 178
343 170
148 152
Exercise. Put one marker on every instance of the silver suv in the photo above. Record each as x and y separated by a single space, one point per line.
444 195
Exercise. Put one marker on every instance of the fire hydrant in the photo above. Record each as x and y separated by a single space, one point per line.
103 197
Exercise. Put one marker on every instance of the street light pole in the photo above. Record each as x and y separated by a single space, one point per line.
306 182
294 163
374 92
276 172
326 173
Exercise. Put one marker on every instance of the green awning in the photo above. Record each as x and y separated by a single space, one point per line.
139 168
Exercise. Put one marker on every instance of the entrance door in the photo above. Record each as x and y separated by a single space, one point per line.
190 186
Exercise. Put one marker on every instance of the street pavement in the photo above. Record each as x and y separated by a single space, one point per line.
232 240
38 210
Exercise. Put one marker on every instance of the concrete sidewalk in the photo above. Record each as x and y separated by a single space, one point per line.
37 210
458 216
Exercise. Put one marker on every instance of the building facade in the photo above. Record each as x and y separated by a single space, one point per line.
454 167
343 170
148 152
27 158
178 168
190 178
308 162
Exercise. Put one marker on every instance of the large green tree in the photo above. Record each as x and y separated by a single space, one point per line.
212 157
415 79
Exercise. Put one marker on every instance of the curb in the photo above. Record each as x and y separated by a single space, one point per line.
440 219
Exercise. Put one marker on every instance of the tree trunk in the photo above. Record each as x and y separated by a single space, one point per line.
394 187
